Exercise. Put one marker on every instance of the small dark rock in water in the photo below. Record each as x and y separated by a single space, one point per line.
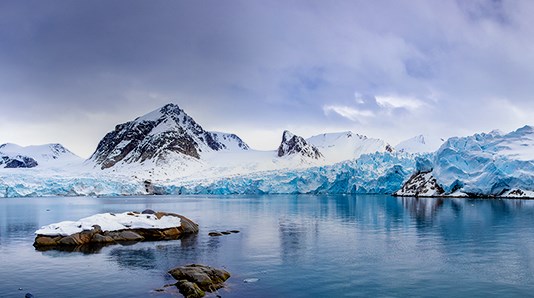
194 279
148 211
226 233
215 234
234 231
28 295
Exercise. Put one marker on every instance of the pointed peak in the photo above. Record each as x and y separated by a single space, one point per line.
170 108
287 135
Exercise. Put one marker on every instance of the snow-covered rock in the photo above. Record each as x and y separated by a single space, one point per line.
337 147
295 145
17 161
420 185
420 144
111 228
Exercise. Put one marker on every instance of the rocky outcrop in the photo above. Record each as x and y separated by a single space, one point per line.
157 134
17 161
194 280
421 185
295 145
99 237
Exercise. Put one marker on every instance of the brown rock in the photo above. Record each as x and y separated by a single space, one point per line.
98 238
125 235
172 233
189 289
187 225
205 277
214 234
150 234
41 240
69 240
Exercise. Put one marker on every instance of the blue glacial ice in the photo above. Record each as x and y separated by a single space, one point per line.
487 164
378 173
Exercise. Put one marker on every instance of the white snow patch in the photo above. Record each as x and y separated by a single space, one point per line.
110 222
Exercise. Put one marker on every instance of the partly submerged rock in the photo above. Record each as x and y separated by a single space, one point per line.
194 277
109 228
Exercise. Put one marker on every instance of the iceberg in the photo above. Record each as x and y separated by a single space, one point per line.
487 164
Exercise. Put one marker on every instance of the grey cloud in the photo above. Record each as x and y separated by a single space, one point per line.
245 65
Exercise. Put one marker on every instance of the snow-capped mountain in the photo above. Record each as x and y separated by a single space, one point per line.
337 147
295 145
169 148
15 156
486 164
167 134
420 144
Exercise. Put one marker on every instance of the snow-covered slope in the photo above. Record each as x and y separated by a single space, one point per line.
337 147
420 144
43 155
229 141
486 164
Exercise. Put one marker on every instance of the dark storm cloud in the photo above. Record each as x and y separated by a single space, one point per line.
447 67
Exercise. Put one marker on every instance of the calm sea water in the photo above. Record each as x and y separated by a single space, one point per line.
297 246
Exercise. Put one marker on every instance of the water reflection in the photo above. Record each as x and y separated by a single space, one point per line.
351 243
140 258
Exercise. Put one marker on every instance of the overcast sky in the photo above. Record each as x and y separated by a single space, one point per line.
71 70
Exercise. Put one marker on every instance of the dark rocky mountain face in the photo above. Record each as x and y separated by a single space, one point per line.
292 144
17 162
155 135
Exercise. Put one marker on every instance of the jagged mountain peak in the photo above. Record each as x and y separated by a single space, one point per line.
292 144
159 134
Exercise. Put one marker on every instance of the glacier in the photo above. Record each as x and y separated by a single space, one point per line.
486 164
380 172
29 185
376 173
